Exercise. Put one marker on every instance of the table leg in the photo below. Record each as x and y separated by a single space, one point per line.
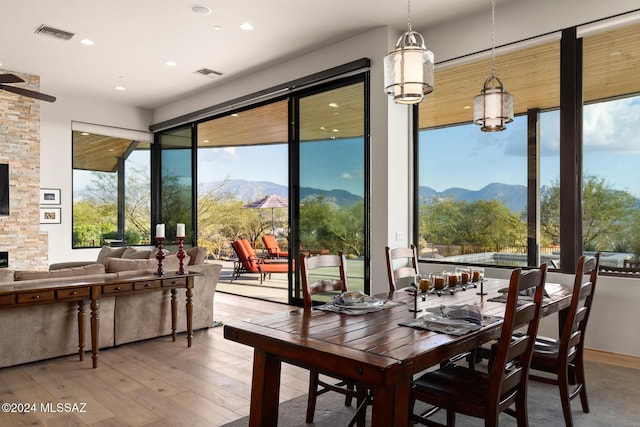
189 316
383 412
402 397
174 312
265 390
95 328
81 320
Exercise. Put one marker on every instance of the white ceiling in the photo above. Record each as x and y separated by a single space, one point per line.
135 38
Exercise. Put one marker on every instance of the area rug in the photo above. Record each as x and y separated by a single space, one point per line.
613 391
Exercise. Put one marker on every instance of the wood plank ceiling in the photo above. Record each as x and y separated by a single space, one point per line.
532 75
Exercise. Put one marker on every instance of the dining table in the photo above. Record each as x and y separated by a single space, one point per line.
376 348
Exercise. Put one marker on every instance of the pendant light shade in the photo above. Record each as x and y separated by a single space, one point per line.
408 69
493 108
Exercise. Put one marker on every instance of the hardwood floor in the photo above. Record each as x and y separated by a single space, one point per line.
150 383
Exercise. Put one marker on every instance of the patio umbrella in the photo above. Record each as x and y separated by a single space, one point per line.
271 201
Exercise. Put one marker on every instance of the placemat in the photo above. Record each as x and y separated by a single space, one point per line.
359 311
437 323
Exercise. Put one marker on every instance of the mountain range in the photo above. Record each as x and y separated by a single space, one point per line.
514 196
249 191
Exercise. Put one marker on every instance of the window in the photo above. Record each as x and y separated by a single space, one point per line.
242 157
611 146
111 186
605 156
473 187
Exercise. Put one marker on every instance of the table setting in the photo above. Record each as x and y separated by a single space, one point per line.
452 319
356 303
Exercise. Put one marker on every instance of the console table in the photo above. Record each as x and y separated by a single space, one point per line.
19 294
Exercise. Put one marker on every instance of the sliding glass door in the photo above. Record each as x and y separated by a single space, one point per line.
331 175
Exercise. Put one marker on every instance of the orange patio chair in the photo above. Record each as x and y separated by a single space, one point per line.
271 244
248 262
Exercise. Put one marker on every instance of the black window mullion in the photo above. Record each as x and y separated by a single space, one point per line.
570 149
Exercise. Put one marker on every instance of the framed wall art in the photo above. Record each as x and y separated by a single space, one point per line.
49 196
50 216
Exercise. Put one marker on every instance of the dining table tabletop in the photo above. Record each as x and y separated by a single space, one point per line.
381 348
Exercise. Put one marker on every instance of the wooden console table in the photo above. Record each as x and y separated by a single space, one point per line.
17 294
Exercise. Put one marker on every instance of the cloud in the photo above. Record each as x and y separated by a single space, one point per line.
346 175
612 126
220 155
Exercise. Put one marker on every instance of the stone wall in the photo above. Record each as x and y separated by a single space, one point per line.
20 233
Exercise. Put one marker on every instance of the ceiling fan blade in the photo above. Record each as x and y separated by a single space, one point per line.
29 93
10 78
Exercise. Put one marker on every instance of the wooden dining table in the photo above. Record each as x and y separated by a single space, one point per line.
372 348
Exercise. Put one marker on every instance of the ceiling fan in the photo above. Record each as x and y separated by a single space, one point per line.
12 78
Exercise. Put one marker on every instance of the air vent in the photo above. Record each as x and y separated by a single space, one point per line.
54 32
209 73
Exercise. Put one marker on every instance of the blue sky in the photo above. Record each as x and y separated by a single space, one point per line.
326 165
463 156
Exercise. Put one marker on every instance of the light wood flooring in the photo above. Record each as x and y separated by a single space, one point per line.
151 383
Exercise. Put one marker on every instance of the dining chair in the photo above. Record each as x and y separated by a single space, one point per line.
334 271
408 267
460 389
564 357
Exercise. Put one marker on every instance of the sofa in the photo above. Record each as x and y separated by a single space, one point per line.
50 330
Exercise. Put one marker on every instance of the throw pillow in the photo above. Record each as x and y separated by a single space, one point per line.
197 254
84 270
132 253
172 263
6 275
117 265
109 252
154 251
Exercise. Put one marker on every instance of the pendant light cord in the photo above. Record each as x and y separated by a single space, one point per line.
409 15
493 38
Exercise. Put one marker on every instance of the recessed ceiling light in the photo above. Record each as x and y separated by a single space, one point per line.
170 64
246 26
119 87
85 134
234 115
334 105
467 107
335 130
615 53
217 27
200 9
87 42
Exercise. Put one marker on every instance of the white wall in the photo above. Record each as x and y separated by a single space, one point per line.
56 158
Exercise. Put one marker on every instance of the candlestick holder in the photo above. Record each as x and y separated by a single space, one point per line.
181 254
160 256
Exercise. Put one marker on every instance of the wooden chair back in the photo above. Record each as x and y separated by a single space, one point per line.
575 325
310 263
510 365
409 267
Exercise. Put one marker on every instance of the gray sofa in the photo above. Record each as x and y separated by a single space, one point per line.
50 330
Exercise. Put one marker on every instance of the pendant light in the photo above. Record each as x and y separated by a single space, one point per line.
408 69
493 108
